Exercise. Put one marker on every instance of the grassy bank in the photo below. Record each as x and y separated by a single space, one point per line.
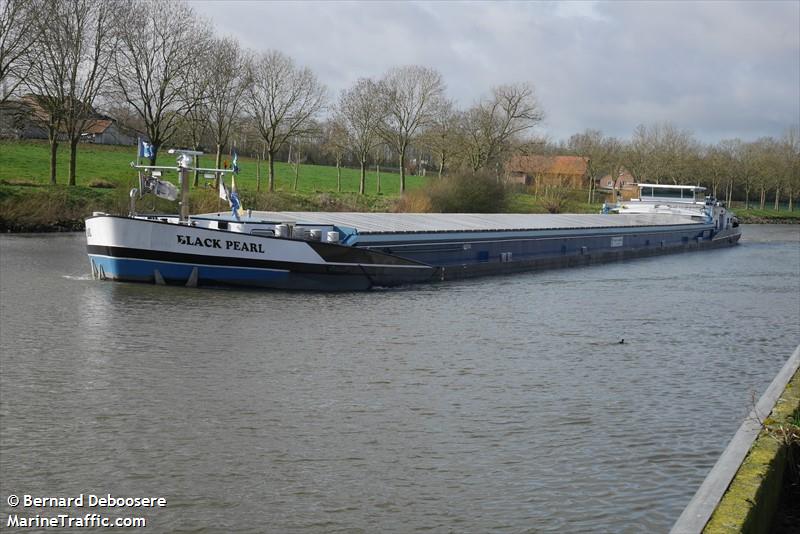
28 203
767 216
751 500
27 162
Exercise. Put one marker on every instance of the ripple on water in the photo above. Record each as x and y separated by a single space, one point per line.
502 404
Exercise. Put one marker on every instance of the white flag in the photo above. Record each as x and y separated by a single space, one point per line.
223 192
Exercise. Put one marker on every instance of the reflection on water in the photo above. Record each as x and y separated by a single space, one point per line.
496 404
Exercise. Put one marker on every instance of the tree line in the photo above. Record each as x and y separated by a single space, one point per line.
731 169
159 67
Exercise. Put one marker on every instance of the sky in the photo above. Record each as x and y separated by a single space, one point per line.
718 69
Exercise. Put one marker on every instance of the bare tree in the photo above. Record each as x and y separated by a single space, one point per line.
410 95
747 167
603 155
47 69
69 65
89 36
441 137
714 167
662 152
767 169
227 75
21 25
158 40
790 155
193 124
282 100
727 150
335 144
361 112
489 127
297 156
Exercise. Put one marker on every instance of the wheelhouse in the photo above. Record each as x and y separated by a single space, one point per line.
670 193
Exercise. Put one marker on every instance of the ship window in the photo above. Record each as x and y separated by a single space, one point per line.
647 192
666 192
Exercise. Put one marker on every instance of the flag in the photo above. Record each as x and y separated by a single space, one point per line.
235 164
236 206
223 191
145 149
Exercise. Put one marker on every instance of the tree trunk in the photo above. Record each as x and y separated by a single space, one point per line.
73 154
296 174
378 178
747 197
363 184
52 135
762 199
777 198
271 156
402 169
338 175
217 165
441 164
791 195
258 174
155 148
196 172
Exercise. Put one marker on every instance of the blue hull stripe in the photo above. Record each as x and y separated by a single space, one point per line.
141 270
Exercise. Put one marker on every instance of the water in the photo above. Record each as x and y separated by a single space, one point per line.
502 404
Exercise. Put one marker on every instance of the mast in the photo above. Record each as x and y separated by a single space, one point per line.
184 167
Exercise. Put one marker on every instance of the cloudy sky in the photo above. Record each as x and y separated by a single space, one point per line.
719 69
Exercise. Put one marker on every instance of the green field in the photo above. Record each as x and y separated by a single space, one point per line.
754 215
104 177
28 162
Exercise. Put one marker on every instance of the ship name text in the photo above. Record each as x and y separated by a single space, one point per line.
226 244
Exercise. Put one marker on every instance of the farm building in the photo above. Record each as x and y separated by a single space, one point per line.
545 171
25 118
624 185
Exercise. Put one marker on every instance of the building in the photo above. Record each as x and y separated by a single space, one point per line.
548 171
624 185
108 132
25 118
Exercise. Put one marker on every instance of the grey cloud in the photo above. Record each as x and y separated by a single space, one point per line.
718 69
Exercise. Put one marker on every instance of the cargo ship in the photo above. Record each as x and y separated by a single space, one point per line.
321 251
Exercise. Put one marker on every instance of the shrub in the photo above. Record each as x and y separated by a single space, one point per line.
555 199
415 201
101 184
468 193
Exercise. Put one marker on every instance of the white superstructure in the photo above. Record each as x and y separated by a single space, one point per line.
686 200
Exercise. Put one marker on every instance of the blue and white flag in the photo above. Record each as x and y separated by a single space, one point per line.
234 199
145 149
235 164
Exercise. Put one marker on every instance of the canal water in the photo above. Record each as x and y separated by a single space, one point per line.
502 404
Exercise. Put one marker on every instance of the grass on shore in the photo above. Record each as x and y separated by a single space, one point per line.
29 203
755 215
28 162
